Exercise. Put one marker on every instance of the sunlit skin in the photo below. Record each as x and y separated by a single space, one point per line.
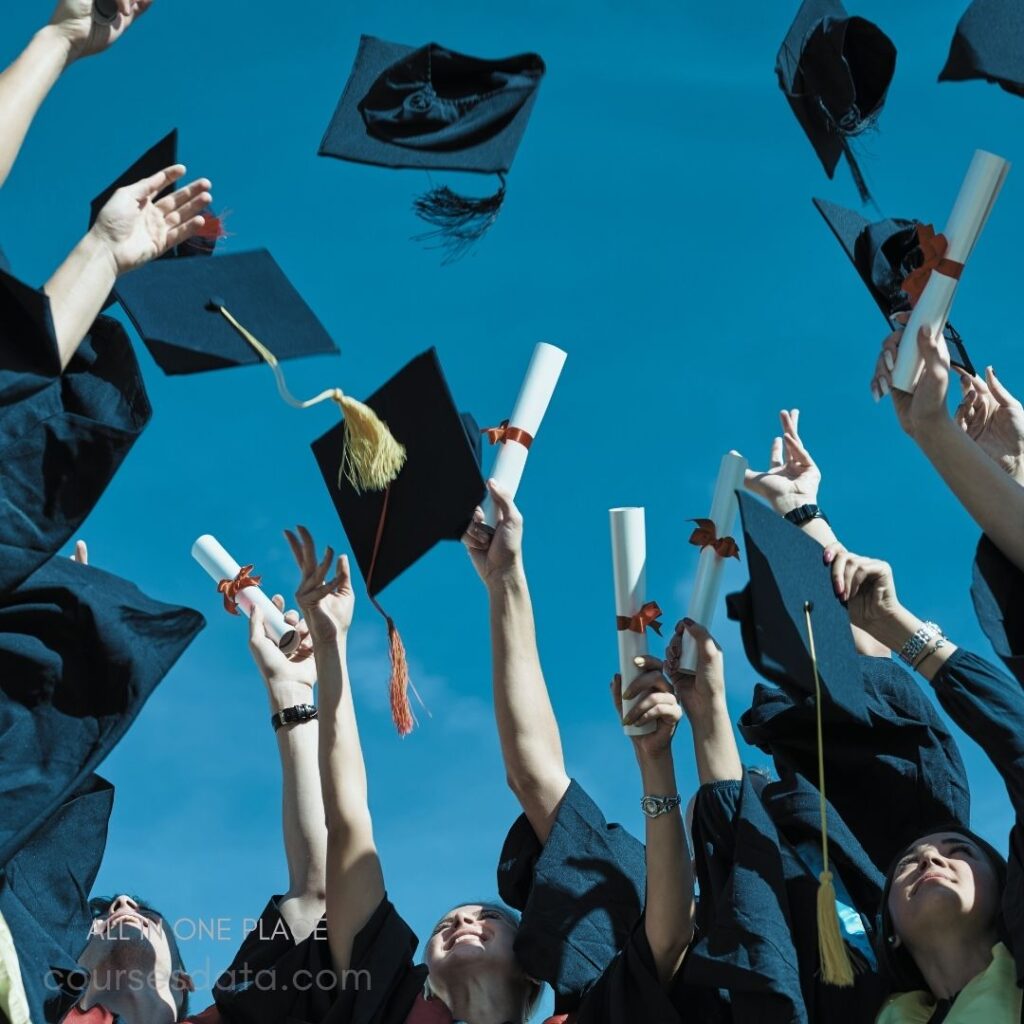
944 901
471 960
130 964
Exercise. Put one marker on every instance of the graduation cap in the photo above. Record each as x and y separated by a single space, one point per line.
163 154
434 109
989 44
432 499
885 253
197 315
835 71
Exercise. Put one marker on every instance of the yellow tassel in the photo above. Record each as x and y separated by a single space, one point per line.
371 458
836 968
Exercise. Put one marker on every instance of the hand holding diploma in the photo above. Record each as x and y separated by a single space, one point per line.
933 285
241 590
516 434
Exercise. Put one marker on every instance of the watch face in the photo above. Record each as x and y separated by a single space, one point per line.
649 805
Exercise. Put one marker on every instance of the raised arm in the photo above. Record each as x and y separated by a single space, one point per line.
670 907
131 230
790 483
993 497
289 683
530 742
24 85
355 882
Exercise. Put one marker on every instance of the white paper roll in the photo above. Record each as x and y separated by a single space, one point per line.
210 554
531 405
629 565
708 583
977 196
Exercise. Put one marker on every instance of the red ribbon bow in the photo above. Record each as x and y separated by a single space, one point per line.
232 588
706 536
642 620
503 433
933 252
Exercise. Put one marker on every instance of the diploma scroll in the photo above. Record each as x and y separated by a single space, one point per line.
104 12
531 405
629 564
708 583
209 553
977 196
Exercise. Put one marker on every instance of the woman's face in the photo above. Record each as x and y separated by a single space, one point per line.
943 880
471 935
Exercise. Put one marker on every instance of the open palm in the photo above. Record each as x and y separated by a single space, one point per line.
792 478
994 419
137 228
328 604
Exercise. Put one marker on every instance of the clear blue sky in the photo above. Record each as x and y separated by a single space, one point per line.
658 226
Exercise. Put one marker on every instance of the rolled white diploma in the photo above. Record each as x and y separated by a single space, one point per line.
708 583
629 564
534 397
977 196
210 554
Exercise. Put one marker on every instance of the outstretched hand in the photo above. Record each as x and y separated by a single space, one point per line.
792 477
655 702
994 420
275 666
135 228
499 552
327 604
73 18
701 693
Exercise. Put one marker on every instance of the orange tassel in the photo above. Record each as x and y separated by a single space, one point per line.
401 709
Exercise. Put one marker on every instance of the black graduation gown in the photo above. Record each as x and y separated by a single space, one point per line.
998 593
620 981
758 856
62 435
882 736
44 892
989 707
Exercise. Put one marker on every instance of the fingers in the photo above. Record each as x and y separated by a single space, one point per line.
653 707
881 383
293 543
707 646
797 452
1001 395
775 457
617 693
308 549
257 629
177 212
182 233
156 183
503 503
278 602
478 535
81 554
648 680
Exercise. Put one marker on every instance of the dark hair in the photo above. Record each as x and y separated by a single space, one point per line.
895 963
100 906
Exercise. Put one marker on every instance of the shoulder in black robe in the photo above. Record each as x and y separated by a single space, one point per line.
998 593
62 435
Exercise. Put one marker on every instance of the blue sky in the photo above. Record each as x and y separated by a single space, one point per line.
659 227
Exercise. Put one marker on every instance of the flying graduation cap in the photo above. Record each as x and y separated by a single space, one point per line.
431 108
431 500
989 44
835 71
885 253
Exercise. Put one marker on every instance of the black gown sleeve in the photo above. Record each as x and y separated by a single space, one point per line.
81 651
274 980
997 590
62 435
581 895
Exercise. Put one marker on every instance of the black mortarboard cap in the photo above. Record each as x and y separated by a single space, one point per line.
835 71
175 306
155 159
434 109
884 253
438 488
989 44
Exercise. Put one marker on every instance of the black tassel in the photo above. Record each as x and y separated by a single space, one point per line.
858 176
459 221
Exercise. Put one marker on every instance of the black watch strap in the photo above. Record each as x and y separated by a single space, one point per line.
804 514
298 713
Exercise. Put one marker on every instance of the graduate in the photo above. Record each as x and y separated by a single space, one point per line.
953 910
363 959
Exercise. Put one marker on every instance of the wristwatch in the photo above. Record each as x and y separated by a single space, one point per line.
656 806
298 713
804 514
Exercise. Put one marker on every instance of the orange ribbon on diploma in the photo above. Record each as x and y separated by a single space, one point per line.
503 433
645 618
933 252
706 536
232 588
